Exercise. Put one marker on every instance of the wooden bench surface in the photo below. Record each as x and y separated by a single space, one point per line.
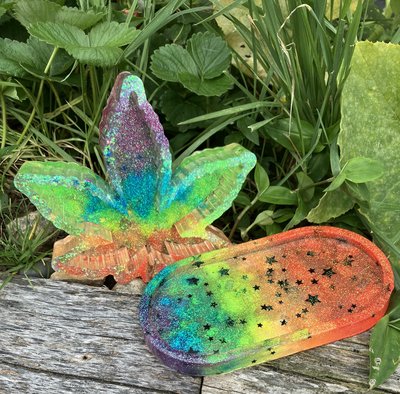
59 337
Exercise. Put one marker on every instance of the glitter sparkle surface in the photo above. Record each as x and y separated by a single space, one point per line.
265 299
146 216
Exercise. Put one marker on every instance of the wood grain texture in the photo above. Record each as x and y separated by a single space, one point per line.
62 337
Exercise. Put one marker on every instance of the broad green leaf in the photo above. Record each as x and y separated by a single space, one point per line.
99 47
98 56
28 12
175 64
279 195
385 345
210 53
33 11
370 128
337 182
64 36
111 34
363 169
305 185
79 18
261 178
70 196
169 61
288 134
330 206
207 87
204 186
177 108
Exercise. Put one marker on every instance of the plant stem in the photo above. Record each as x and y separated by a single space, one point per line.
4 119
39 96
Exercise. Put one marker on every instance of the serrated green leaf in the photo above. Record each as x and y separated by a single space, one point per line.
330 206
99 56
99 47
28 12
33 11
169 61
279 195
175 64
261 178
207 87
210 53
178 109
64 36
78 18
363 169
111 34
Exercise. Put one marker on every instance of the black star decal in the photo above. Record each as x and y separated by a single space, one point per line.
278 295
254 361
256 287
216 351
284 269
273 352
328 272
283 322
280 302
224 271
206 284
230 322
271 260
259 325
244 258
310 253
311 270
270 281
210 338
354 278
304 310
266 307
214 304
198 264
207 326
222 340
243 321
353 305
312 299
210 293
350 310
299 282
340 306
283 283
245 277
192 281
314 281
332 287
348 261
190 296
298 314
270 270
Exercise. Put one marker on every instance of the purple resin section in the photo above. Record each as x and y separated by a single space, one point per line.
138 160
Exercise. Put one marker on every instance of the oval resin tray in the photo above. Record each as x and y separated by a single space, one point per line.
265 299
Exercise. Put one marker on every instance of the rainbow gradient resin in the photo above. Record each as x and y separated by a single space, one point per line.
147 216
265 299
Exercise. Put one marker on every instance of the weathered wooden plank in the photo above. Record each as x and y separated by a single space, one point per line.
62 335
341 367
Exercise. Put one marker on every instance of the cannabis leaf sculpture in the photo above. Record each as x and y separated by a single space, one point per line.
146 216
